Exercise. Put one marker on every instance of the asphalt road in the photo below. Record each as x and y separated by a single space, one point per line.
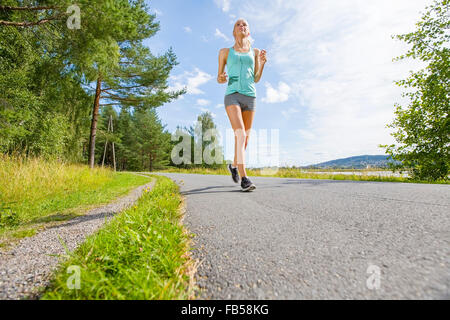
318 239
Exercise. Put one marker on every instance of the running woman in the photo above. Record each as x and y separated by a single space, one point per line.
245 67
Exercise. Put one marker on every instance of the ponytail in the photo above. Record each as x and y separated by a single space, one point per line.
250 41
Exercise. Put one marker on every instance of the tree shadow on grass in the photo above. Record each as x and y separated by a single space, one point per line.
54 218
84 218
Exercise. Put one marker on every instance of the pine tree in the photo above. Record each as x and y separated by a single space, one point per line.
127 141
152 140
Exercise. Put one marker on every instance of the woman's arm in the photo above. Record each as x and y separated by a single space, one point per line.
222 75
260 61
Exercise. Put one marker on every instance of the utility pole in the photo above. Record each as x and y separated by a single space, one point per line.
110 129
113 150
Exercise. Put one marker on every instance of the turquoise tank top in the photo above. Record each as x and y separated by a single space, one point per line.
241 72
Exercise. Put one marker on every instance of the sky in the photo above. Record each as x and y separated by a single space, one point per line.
327 90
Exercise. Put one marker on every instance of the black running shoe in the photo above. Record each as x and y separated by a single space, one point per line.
247 185
234 173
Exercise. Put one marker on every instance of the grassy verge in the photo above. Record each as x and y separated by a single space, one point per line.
35 193
301 174
143 253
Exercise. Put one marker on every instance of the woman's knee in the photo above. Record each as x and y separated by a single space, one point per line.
240 134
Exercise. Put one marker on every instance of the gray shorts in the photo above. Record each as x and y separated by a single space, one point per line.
246 103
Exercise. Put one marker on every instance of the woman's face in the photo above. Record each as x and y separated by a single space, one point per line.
241 27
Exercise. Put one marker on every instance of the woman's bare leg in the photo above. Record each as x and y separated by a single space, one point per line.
247 117
237 123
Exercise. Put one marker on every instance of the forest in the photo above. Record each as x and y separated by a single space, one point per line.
62 79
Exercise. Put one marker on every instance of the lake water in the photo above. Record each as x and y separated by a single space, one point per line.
369 173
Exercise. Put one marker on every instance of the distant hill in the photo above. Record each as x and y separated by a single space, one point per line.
357 162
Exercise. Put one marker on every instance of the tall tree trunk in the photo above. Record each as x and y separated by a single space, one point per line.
151 163
94 122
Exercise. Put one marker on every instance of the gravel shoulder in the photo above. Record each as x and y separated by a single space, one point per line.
30 264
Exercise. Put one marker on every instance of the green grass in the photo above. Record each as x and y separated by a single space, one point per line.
141 254
302 174
35 193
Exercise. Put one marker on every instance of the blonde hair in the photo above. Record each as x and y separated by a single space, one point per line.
250 40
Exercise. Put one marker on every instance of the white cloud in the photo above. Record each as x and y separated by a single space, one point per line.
276 95
187 29
192 80
337 58
203 102
287 113
305 134
219 34
220 105
223 4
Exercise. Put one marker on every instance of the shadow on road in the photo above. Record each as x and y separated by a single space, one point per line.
202 190
238 189
268 185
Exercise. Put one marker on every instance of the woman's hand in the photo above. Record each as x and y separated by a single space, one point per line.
262 57
222 78
259 64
